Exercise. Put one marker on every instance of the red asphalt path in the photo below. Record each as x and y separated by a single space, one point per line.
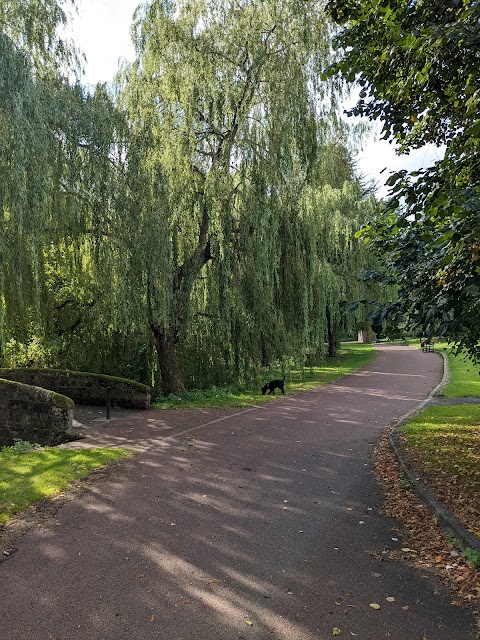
256 525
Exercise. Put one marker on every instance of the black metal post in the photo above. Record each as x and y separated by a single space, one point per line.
109 402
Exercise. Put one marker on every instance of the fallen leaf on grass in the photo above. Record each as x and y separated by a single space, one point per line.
374 605
420 530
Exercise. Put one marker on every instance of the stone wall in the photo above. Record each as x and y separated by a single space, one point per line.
84 388
33 414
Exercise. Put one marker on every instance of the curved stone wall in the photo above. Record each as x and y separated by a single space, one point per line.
33 414
85 388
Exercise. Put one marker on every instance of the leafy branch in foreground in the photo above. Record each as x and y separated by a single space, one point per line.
418 68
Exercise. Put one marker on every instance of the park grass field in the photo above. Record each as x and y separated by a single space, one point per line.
447 440
464 378
29 473
350 357
443 442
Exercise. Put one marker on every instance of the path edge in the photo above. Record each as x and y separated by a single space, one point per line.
444 517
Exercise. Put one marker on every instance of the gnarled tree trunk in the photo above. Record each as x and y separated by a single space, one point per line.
170 369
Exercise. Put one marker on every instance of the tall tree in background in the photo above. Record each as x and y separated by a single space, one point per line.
418 67
227 116
56 172
205 205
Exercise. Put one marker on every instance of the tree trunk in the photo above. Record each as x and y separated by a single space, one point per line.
265 356
170 370
332 339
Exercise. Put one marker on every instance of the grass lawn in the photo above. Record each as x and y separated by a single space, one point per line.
27 476
351 356
464 375
444 444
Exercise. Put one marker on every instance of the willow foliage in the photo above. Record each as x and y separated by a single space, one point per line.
56 176
33 26
228 119
206 206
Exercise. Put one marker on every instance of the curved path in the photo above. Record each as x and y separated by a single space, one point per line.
233 525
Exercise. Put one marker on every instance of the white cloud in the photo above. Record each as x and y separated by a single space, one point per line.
102 31
379 155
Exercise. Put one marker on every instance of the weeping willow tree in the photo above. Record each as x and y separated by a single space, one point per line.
27 151
207 206
226 115
57 177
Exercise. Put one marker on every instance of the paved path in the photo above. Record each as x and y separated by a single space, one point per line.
258 524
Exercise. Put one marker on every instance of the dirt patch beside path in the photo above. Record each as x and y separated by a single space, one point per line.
426 545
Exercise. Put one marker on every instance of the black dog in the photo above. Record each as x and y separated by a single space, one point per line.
272 385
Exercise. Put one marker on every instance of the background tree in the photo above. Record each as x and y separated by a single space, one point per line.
227 117
56 181
204 207
418 67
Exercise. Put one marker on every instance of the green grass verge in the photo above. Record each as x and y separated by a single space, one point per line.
27 476
443 443
446 440
351 356
464 378
464 375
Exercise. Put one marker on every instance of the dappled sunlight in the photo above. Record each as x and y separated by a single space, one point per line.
231 523
388 374
347 422
217 569
106 510
52 552
379 393
337 455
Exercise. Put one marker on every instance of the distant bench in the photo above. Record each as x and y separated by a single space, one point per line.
427 345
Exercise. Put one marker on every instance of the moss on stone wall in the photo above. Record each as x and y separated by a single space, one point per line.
83 387
32 413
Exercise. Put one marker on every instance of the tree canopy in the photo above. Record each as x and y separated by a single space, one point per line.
228 118
203 207
418 67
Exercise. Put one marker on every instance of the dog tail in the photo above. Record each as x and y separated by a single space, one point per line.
283 379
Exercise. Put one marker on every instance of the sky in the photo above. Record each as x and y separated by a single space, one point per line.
102 31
